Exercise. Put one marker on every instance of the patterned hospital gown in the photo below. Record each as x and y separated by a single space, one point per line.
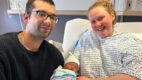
120 53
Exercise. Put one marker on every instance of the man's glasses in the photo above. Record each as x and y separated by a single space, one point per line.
43 15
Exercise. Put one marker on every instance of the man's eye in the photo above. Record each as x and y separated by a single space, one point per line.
41 14
53 17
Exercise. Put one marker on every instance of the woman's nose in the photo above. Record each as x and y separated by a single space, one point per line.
98 23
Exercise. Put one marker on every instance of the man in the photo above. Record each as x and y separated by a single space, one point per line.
26 55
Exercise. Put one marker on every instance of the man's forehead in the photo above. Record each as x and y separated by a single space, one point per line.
45 6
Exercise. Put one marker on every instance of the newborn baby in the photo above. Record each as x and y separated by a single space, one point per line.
68 72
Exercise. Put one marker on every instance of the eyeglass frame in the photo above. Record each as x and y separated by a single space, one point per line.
47 15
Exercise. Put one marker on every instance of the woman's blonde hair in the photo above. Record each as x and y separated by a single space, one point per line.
107 4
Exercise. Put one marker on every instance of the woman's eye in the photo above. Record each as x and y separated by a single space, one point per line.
93 21
101 18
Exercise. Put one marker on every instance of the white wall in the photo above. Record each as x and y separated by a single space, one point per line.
73 4
63 5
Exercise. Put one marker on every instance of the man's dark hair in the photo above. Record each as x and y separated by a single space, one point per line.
30 5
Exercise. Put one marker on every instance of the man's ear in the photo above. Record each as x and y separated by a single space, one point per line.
25 18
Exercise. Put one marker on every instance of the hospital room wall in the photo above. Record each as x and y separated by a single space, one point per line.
11 23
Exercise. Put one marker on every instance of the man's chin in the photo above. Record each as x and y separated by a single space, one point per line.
43 35
46 35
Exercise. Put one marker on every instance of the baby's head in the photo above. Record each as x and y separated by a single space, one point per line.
71 66
71 63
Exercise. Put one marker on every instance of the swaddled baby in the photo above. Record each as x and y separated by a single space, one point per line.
68 72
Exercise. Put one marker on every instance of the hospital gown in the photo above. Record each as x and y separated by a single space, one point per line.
120 53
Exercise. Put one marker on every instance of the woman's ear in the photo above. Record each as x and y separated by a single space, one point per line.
25 18
113 16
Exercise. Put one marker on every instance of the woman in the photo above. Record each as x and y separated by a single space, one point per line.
105 54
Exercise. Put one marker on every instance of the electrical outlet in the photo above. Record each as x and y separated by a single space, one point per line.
135 5
129 4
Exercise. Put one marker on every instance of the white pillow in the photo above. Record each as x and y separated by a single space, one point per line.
73 30
131 27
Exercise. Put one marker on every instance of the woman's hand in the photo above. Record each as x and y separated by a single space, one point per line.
83 78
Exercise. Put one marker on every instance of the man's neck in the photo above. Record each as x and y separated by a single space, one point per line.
30 42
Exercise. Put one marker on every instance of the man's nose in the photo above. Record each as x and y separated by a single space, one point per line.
48 20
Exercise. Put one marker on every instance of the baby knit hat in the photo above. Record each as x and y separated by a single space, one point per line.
71 58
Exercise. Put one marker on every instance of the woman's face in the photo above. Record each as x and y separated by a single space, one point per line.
101 21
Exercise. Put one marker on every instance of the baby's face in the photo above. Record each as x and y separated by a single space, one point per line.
71 66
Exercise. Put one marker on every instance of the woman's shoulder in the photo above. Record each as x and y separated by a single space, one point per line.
87 34
87 38
128 37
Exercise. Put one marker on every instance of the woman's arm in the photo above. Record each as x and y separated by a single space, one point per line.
116 77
